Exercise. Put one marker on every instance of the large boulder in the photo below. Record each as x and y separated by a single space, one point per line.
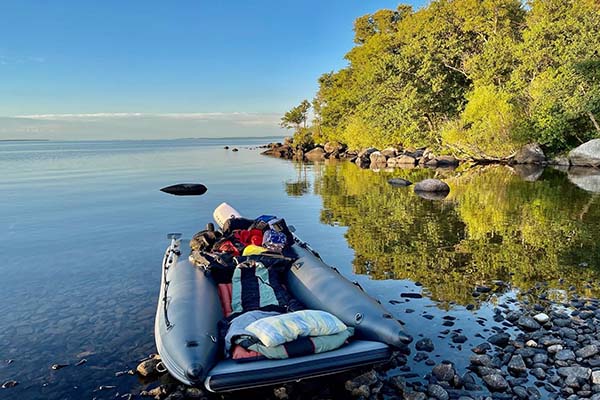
405 160
586 155
446 161
331 147
363 158
316 154
432 185
389 152
377 158
531 153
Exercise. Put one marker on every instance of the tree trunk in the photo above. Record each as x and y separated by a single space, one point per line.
594 121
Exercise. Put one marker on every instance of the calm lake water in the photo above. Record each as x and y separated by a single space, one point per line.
84 228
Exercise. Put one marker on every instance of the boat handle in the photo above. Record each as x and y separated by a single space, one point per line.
358 318
160 367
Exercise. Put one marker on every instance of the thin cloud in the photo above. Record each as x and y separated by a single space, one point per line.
242 118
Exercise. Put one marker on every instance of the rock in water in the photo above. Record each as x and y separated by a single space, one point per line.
405 160
530 154
499 339
316 154
432 185
516 365
495 382
425 345
528 324
185 189
588 154
443 372
9 384
541 318
148 367
399 182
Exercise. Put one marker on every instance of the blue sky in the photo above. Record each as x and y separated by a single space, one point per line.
135 69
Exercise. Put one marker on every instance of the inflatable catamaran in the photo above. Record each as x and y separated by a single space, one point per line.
189 310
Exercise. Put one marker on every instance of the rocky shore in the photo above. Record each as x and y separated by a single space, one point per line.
533 347
583 156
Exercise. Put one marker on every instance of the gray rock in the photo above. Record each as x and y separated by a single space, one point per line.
585 178
377 158
587 154
530 154
481 360
316 154
443 372
363 158
399 182
367 379
361 392
495 382
539 373
405 160
9 384
565 355
446 161
555 348
389 152
577 371
499 339
331 147
560 161
527 323
437 392
148 367
596 377
425 345
587 351
432 185
516 365
541 318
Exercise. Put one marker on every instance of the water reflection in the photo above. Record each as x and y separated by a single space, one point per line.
520 226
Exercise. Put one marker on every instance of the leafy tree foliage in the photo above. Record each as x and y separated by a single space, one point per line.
497 73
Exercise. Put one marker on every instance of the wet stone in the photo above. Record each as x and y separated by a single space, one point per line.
587 351
148 367
411 295
577 372
528 324
516 365
459 339
565 355
425 345
437 392
541 318
499 339
481 348
495 382
443 372
9 384
481 360
539 373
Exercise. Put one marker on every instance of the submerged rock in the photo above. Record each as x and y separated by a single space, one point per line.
399 182
148 367
432 185
9 384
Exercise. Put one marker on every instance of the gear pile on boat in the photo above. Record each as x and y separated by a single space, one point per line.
253 305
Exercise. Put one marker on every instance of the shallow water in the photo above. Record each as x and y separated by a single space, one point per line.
84 225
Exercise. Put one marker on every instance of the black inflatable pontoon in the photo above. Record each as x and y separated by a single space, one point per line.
189 309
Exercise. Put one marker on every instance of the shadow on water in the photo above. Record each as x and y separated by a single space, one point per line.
522 226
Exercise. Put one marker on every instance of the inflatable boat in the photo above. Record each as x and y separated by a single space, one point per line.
189 310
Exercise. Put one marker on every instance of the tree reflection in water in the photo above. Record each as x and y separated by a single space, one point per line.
494 225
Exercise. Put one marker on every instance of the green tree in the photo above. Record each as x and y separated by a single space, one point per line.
297 116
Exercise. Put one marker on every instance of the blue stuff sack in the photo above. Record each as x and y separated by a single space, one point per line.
274 241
